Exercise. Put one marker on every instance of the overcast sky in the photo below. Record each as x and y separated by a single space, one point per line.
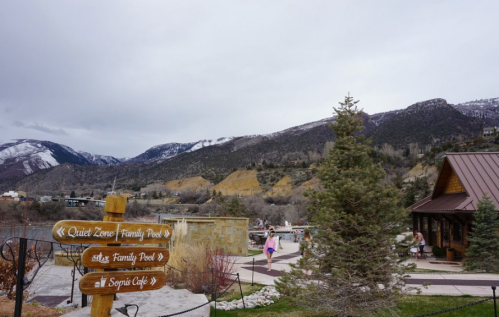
119 77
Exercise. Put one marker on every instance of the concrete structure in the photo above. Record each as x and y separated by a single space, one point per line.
227 233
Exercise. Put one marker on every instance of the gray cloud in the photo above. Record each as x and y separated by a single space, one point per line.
41 128
118 77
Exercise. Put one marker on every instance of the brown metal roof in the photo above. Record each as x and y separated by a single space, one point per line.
447 202
479 175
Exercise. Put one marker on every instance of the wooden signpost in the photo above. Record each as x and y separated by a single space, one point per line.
121 282
129 257
109 257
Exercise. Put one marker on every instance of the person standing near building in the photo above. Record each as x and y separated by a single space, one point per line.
260 223
268 249
420 239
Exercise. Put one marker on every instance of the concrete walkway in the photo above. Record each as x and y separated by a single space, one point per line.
450 281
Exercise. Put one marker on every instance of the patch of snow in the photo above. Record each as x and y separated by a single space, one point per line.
46 156
204 143
27 168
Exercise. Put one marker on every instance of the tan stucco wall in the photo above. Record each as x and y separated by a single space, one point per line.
60 258
227 233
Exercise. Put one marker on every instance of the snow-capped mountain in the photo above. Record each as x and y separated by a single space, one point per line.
96 159
485 109
169 150
25 156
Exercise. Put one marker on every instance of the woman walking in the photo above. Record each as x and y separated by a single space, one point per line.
269 248
306 249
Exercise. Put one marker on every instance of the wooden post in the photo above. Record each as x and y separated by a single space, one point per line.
115 210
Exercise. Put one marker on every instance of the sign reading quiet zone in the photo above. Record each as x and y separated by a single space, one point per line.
124 257
98 283
99 232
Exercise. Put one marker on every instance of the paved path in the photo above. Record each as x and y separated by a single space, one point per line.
451 282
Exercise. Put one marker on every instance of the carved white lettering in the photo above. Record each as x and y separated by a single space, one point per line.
139 281
145 258
73 232
132 234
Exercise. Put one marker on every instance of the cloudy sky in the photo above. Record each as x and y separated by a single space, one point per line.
118 77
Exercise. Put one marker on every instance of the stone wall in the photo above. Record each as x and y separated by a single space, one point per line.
227 233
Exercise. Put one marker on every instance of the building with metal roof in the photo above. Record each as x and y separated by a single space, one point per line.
445 217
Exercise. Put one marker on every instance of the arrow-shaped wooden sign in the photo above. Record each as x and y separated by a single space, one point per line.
75 231
129 257
121 282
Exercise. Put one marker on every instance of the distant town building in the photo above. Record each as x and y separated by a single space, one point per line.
490 131
45 199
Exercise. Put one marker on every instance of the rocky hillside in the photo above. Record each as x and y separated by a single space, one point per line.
431 122
486 110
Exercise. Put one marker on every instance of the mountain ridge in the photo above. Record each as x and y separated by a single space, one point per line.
423 122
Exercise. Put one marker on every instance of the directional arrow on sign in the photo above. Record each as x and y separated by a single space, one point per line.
153 281
160 257
60 232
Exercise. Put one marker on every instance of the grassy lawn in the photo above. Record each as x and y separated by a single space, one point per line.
410 305
235 293
254 252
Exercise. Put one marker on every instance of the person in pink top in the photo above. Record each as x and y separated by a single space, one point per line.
269 248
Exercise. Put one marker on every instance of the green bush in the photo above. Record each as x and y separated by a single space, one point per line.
437 251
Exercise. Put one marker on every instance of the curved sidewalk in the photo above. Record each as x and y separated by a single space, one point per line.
449 280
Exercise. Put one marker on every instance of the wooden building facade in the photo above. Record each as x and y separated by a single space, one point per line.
445 217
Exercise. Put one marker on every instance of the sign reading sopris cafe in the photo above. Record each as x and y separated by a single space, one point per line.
121 282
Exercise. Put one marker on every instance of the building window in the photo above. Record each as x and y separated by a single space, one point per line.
458 232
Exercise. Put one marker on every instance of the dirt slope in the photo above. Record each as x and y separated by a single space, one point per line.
188 184
284 187
240 183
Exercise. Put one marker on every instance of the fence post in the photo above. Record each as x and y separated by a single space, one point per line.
253 272
242 297
84 298
494 294
21 266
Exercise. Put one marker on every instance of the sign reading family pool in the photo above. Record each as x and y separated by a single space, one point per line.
121 282
129 257
75 231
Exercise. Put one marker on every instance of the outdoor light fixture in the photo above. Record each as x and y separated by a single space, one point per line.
124 310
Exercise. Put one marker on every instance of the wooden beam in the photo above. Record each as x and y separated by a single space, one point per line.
103 304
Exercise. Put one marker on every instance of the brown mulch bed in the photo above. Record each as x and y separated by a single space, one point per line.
7 308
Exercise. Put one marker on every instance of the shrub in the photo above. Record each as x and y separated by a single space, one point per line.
8 274
437 251
135 210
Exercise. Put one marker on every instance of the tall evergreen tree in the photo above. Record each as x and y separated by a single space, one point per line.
352 263
483 253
